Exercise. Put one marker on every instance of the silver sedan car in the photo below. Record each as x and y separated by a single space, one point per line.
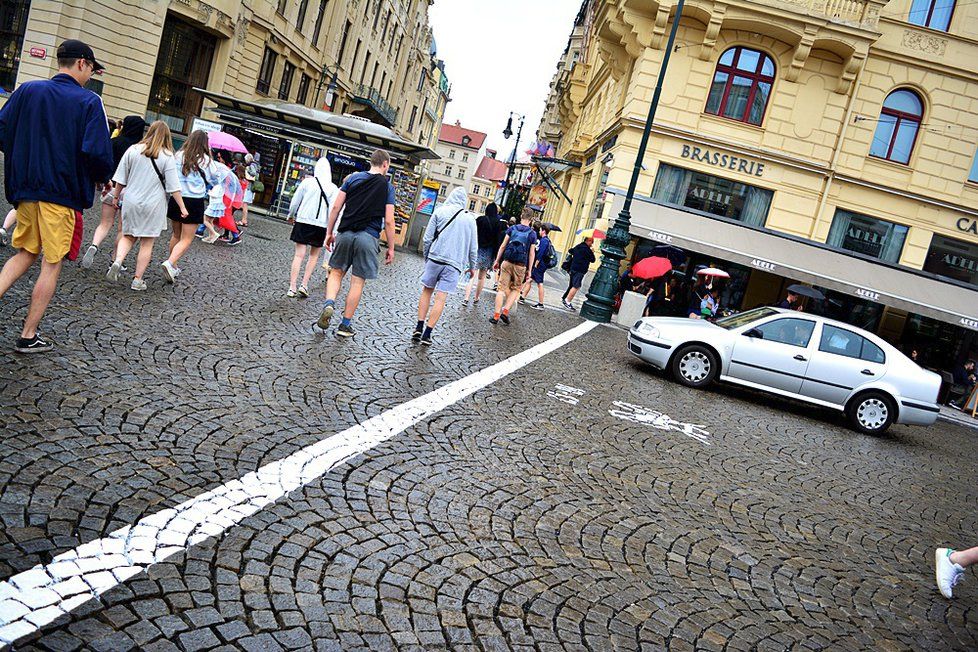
798 355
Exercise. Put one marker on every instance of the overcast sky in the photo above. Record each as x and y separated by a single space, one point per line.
499 57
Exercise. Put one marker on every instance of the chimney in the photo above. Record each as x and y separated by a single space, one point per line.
458 123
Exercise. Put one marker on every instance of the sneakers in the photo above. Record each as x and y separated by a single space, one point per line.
504 318
946 571
345 330
291 293
201 230
325 316
4 237
113 273
465 302
522 300
89 257
32 345
210 239
569 306
493 320
426 341
170 272
138 284
538 306
416 335
234 240
303 291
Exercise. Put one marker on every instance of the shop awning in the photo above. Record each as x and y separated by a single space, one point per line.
803 260
315 125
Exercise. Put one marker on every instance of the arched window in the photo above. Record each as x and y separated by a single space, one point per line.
741 85
935 14
896 131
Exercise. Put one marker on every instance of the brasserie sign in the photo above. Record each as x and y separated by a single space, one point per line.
726 161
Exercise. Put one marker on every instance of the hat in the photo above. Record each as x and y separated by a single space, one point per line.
73 49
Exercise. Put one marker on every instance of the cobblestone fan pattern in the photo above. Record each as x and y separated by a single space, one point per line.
510 520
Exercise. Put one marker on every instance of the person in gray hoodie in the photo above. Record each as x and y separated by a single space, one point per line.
451 246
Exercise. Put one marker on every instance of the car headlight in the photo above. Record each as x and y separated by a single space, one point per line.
647 329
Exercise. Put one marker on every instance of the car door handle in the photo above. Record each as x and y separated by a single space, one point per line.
867 372
801 358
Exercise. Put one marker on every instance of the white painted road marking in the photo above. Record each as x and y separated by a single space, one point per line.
35 598
566 394
659 420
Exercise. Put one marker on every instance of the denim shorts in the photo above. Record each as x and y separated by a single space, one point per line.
359 250
440 277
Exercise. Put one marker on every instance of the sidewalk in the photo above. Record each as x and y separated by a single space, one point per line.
958 417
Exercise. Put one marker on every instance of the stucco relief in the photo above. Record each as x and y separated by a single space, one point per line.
924 42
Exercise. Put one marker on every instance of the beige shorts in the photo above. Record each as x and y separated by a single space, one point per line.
511 276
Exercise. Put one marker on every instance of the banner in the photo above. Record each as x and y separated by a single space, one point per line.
426 200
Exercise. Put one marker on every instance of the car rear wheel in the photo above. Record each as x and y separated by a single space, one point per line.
871 413
695 366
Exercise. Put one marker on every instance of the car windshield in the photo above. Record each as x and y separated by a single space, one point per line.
744 318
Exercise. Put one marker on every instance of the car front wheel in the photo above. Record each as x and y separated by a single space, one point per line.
695 366
871 413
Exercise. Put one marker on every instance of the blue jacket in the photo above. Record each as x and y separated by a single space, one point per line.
55 140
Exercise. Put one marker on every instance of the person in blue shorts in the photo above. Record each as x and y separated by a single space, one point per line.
541 264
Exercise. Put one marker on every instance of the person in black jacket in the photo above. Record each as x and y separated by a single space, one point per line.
581 258
488 227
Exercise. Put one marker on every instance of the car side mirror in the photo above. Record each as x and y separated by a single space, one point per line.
753 332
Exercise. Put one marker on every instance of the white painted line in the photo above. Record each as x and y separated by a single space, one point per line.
658 420
34 598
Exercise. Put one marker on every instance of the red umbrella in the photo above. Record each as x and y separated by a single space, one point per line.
651 267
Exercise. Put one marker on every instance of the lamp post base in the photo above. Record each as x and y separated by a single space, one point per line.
601 295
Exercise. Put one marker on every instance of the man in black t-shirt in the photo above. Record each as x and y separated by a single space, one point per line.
368 200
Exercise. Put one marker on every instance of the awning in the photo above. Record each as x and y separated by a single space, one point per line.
803 260
315 125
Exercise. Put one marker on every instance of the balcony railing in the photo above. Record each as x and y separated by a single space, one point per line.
853 12
371 97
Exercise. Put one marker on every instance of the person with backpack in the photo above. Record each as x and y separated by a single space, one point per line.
309 212
580 259
148 175
516 255
197 173
546 258
488 228
451 246
367 202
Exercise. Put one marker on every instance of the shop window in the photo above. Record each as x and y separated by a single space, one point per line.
713 195
953 258
183 62
867 235
304 82
935 14
13 24
741 85
896 130
285 86
973 175
266 71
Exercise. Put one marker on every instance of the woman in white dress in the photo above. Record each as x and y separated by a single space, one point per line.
147 173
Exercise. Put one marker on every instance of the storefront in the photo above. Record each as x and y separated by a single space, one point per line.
290 138
931 309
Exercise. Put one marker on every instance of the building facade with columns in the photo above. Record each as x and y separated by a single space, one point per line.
824 141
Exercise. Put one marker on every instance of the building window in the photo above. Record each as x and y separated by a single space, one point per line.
441 191
421 79
448 170
973 175
935 14
282 4
953 258
472 205
414 115
13 24
867 235
451 153
266 71
713 195
896 130
285 85
741 85
461 173
465 157
304 82
184 61
346 35
301 16
319 26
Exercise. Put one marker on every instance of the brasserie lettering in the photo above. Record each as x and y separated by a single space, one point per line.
727 161
968 226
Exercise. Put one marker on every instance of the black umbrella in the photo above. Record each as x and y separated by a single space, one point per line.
553 227
806 291
675 255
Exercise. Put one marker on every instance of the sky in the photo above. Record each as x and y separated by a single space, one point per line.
500 56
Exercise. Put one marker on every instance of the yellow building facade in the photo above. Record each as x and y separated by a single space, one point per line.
846 128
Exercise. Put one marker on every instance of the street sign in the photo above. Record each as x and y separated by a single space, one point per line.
38 53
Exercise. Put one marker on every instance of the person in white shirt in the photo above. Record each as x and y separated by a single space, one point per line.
309 213
148 175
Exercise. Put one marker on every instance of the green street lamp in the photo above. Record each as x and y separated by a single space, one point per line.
601 295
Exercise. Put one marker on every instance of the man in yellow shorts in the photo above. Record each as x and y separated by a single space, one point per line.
55 140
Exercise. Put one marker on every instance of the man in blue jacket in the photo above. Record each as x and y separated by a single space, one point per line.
55 140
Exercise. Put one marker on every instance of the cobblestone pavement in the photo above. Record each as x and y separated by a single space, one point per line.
536 514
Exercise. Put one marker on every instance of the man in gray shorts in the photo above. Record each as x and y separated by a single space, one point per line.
369 201
451 245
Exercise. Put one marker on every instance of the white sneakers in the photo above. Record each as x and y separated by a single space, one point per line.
946 572
89 257
170 272
138 284
113 273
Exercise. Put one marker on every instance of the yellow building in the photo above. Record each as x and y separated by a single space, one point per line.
823 141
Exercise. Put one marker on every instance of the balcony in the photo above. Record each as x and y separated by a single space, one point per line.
377 107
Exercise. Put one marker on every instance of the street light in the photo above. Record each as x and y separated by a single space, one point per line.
330 90
507 132
600 296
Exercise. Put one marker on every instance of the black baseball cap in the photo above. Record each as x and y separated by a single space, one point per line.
73 49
